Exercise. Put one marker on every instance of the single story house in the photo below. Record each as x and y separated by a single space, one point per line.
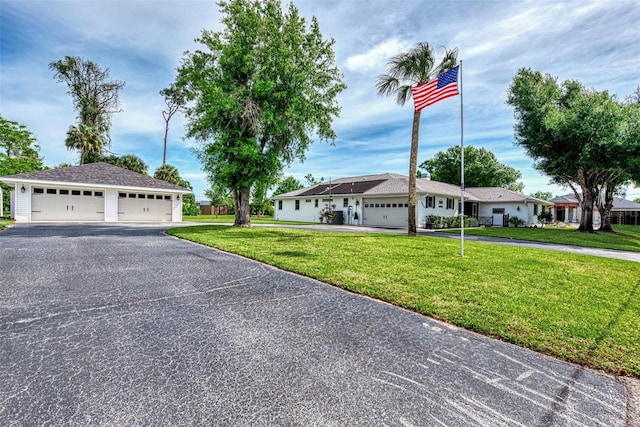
382 200
93 192
499 204
567 209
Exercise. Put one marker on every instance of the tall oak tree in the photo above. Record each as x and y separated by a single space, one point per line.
257 93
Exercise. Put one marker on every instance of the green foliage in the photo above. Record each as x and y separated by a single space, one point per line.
438 221
19 153
579 137
258 93
542 195
546 217
95 98
516 222
637 200
286 185
481 169
309 178
219 196
189 205
170 174
564 307
129 161
407 69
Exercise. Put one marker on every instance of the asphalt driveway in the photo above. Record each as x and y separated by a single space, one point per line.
105 324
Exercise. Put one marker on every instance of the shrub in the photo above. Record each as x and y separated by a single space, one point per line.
516 222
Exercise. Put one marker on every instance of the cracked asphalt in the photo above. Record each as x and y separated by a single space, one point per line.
116 324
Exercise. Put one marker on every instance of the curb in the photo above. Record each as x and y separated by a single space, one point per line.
633 402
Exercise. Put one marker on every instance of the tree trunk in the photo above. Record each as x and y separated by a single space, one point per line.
588 197
413 169
241 204
604 206
166 133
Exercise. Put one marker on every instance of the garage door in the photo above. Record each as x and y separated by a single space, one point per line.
144 207
386 212
65 204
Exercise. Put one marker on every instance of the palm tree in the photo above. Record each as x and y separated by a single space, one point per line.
168 173
405 70
86 139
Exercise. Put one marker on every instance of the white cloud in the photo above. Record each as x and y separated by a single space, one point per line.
379 54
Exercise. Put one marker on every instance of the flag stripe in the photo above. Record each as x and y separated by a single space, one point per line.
445 86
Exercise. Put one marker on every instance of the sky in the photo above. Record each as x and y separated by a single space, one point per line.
142 42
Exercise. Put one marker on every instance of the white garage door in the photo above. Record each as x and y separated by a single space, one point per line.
65 204
390 212
144 207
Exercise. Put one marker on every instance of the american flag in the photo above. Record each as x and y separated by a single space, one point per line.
445 86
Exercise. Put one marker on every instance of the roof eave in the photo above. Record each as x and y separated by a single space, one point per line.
14 181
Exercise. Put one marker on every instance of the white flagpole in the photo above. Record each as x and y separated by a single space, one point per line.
461 168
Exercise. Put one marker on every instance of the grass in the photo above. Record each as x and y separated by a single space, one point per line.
5 222
625 238
229 219
579 308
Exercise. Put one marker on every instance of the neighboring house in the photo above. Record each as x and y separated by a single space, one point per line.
567 209
381 200
93 192
499 204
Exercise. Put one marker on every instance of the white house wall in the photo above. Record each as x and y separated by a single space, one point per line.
307 211
519 210
176 211
22 211
111 205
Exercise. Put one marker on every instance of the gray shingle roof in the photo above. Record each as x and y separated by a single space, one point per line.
619 204
499 194
96 174
385 184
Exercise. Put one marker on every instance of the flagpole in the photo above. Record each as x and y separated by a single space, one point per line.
461 168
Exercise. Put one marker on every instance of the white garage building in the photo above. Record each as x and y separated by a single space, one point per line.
93 192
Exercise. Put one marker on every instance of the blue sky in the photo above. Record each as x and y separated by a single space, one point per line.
142 42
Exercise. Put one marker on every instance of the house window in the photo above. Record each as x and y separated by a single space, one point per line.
316 204
51 191
498 211
87 193
297 205
132 196
345 203
431 201
66 192
450 203
395 205
38 191
165 197
122 195
98 193
75 192
535 209
279 205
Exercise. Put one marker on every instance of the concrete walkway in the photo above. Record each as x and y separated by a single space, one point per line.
120 324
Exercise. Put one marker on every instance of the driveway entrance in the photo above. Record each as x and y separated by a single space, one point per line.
115 324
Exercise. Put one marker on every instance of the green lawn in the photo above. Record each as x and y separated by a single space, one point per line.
229 219
580 308
625 238
5 222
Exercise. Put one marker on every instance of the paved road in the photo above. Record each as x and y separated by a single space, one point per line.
122 325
